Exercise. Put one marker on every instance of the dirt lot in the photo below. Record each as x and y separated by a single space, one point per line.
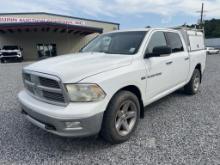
178 129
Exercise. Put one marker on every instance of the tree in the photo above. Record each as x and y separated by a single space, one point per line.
212 28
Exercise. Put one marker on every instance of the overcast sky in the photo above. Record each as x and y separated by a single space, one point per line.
129 13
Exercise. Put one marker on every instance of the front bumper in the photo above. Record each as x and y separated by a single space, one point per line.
10 57
62 121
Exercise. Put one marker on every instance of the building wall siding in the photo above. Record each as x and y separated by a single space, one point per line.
66 42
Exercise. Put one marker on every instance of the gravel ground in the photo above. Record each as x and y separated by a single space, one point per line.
178 129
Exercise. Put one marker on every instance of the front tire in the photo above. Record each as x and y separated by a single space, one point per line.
193 86
20 59
121 117
3 60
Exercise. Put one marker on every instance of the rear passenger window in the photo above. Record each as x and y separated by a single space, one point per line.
174 41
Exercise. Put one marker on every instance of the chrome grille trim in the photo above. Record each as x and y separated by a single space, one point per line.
49 89
34 87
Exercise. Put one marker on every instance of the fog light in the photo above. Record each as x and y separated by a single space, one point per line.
73 125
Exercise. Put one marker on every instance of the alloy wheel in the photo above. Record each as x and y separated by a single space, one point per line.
196 82
126 118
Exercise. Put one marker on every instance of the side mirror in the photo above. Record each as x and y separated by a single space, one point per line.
160 51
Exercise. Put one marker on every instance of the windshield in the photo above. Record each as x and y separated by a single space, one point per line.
10 47
116 43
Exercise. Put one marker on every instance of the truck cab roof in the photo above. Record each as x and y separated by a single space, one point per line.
143 29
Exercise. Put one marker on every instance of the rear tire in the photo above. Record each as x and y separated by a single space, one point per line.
193 86
121 117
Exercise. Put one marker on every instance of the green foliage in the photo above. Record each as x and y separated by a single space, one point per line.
212 28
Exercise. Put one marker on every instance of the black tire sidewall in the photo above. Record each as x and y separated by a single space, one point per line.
189 89
3 60
196 72
109 129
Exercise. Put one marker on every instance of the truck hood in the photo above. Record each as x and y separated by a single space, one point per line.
74 67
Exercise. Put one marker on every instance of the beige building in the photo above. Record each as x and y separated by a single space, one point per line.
42 35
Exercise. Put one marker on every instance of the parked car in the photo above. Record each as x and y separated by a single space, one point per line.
211 50
11 52
105 87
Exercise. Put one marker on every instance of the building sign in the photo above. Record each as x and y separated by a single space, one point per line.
37 20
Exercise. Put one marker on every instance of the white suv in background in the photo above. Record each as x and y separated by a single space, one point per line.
211 50
12 52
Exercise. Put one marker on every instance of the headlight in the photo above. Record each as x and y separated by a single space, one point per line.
85 92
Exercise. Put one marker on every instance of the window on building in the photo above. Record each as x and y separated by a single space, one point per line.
46 50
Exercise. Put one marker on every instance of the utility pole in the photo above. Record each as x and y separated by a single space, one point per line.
202 11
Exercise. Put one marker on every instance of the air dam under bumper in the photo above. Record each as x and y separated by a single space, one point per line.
65 125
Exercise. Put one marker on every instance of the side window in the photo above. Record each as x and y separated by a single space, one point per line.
157 39
174 41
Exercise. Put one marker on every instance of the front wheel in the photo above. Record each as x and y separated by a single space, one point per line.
193 86
121 117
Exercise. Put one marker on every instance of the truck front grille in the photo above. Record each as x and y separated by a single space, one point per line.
53 96
49 82
45 87
9 54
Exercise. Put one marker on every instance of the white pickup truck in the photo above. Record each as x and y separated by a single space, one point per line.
104 88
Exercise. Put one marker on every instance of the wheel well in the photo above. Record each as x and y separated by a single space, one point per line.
135 90
198 66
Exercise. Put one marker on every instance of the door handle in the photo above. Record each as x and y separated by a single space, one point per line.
169 63
187 58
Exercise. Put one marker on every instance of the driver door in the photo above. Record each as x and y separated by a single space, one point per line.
159 69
